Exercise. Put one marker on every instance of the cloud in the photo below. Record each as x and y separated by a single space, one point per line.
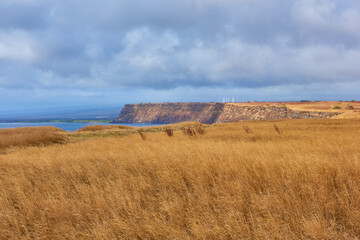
90 46
326 22
16 46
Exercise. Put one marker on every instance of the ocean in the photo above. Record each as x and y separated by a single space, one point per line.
66 126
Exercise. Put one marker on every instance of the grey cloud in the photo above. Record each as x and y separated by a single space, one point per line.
327 22
162 44
29 15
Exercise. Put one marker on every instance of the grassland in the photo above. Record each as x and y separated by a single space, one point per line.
348 109
291 179
321 106
27 136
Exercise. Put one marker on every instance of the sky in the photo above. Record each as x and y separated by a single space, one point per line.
81 54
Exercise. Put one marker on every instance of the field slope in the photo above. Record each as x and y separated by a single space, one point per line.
290 179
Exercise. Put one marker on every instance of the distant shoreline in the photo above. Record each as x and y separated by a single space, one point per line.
59 121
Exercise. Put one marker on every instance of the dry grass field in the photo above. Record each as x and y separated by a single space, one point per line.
28 136
102 127
291 179
327 106
349 109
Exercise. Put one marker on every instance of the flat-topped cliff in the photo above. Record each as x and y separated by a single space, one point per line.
211 113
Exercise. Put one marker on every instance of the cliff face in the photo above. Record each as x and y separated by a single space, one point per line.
209 113
170 112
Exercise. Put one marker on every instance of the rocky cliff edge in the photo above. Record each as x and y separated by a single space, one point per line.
162 113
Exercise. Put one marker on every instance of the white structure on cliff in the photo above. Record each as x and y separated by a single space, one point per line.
228 99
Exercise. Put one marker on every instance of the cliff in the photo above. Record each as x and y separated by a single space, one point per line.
210 113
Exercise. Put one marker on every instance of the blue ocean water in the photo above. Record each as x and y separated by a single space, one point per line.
65 126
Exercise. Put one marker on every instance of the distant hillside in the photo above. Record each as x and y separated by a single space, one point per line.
231 112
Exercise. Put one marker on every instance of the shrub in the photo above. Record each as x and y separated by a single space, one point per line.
169 132
277 129
247 129
189 132
336 107
349 107
142 135
200 130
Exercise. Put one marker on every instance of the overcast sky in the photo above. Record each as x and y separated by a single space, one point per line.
81 53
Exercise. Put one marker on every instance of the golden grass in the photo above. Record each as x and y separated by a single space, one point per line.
27 136
349 109
233 182
102 127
